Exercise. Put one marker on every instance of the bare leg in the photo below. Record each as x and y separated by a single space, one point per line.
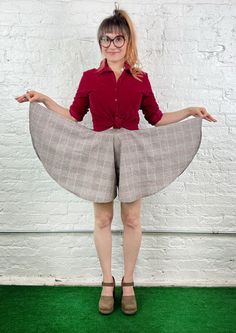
130 215
103 214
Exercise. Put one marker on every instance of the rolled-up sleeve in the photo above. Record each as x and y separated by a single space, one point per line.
149 105
80 104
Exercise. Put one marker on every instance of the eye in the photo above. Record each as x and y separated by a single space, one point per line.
119 38
105 38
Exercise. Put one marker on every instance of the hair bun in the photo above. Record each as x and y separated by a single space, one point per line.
117 12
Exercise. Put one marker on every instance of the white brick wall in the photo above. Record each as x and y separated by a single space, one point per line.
188 48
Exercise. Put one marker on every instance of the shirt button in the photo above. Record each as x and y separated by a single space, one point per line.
116 99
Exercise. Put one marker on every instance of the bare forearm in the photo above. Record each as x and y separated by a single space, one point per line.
52 105
173 117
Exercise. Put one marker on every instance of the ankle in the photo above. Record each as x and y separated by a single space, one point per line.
128 278
107 278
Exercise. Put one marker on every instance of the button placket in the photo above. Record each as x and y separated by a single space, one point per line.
117 118
117 122
116 92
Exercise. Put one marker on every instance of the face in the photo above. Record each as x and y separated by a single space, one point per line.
113 53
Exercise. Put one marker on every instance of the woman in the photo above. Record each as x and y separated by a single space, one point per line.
115 92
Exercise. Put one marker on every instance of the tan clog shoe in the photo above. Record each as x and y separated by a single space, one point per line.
128 303
106 303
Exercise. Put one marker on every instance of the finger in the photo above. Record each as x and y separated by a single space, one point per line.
207 115
210 117
200 113
31 98
204 112
213 119
21 99
28 97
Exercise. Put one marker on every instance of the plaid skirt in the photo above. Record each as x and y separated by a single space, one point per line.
94 165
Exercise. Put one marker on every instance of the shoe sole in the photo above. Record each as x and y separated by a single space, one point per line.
129 312
106 312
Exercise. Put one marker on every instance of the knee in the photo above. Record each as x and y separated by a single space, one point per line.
131 221
103 221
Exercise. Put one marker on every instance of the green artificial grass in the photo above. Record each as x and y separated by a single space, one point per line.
61 309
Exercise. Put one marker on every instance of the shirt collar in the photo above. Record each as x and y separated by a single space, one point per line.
106 67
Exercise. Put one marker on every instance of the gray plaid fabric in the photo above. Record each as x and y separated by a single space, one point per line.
94 165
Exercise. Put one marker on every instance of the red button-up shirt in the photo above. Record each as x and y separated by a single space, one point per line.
114 103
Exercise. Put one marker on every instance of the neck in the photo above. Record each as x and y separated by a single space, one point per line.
116 66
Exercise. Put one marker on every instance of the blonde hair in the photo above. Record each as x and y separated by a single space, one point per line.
121 22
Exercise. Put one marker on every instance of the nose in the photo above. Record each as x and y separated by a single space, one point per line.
112 49
112 46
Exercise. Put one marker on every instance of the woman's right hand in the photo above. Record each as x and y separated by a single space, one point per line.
31 96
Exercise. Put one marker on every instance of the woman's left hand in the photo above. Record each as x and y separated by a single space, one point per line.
200 112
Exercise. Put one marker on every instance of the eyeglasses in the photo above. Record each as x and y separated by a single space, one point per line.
118 41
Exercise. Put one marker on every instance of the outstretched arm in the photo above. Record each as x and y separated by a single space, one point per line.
35 96
174 117
52 105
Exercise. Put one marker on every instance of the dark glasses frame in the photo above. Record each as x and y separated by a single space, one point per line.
112 40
